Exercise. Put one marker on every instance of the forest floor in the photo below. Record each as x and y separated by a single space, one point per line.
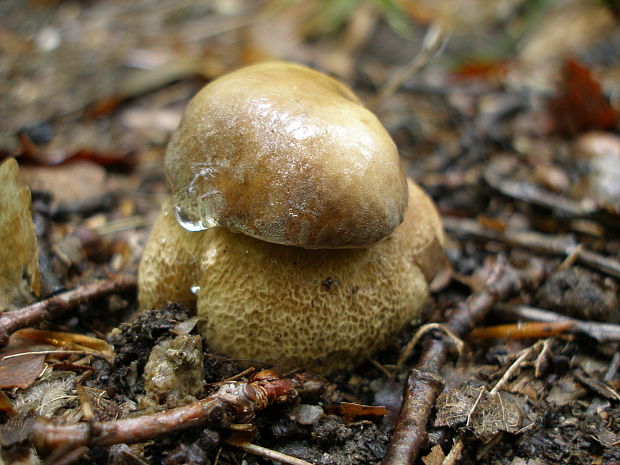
509 119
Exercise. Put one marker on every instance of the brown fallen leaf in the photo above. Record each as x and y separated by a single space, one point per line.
31 153
486 414
70 341
581 104
435 456
74 185
350 411
6 406
20 371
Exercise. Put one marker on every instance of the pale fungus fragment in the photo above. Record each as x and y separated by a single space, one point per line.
293 306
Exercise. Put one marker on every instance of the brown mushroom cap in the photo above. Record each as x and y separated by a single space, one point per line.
317 309
287 155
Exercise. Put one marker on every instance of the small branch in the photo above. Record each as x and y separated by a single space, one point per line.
424 384
434 41
525 354
265 453
233 402
60 304
602 332
552 245
410 426
420 333
533 194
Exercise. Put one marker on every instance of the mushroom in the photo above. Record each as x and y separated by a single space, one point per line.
324 272
288 155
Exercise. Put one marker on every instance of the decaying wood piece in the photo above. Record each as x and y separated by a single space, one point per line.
424 383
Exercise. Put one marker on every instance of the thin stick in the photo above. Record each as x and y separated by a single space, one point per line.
60 304
408 350
552 245
602 332
410 429
265 453
542 357
57 351
525 354
434 41
535 195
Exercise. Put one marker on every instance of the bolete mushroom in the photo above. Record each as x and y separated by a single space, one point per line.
288 157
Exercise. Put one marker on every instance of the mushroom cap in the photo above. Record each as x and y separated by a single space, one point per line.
314 309
287 155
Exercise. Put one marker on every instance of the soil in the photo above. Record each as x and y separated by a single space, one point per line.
513 132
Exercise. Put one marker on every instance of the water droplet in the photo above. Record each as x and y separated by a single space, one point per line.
185 221
190 224
194 289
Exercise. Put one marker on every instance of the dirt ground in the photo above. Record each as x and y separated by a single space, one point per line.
506 113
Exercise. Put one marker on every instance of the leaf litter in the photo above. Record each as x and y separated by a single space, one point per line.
512 131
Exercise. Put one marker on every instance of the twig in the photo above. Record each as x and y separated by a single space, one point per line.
533 194
61 303
410 429
613 368
408 350
67 457
602 332
559 204
59 352
121 224
542 357
525 354
553 245
381 368
423 383
265 453
233 402
434 41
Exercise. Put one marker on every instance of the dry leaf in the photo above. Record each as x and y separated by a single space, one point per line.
17 370
6 406
69 341
98 401
70 183
435 456
349 411
580 105
484 413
